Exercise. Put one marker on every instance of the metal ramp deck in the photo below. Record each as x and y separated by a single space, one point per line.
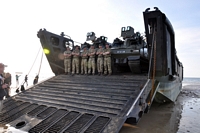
89 104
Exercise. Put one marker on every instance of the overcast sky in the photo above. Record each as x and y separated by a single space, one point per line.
22 19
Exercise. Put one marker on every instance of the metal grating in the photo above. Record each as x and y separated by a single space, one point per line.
6 103
103 101
98 125
12 106
66 120
46 112
12 112
48 122
19 113
37 110
79 123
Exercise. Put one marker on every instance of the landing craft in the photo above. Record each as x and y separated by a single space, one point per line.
101 104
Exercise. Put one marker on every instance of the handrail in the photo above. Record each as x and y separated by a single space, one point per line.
138 97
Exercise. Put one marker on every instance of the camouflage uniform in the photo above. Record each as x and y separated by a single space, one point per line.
100 60
107 61
84 61
67 61
91 62
75 62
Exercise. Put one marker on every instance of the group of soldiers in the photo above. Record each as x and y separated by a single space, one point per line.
88 62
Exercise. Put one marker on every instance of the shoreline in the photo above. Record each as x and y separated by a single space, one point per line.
178 117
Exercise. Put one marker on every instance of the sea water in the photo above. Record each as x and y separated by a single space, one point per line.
191 81
190 114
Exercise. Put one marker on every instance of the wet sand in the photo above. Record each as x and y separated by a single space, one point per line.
183 116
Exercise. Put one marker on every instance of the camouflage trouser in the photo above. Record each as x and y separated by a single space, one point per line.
91 64
67 64
107 65
100 64
75 65
84 66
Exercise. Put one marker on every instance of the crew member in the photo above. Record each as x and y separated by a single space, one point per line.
7 80
100 60
3 85
107 60
67 60
91 61
75 61
35 81
26 80
84 56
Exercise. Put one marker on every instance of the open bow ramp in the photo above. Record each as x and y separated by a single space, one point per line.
78 104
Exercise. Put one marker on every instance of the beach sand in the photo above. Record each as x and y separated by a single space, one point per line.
181 116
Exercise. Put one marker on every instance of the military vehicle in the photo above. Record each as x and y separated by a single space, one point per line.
131 53
100 104
102 40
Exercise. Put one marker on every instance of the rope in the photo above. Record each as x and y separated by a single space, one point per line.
22 83
40 64
35 81
34 61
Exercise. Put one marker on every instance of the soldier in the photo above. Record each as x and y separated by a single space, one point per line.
100 60
91 62
67 60
107 60
84 56
75 61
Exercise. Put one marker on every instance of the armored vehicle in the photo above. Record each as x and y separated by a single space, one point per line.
131 52
90 37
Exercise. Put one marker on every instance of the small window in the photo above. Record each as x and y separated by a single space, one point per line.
54 41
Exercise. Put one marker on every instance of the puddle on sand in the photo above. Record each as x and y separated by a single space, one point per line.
190 116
